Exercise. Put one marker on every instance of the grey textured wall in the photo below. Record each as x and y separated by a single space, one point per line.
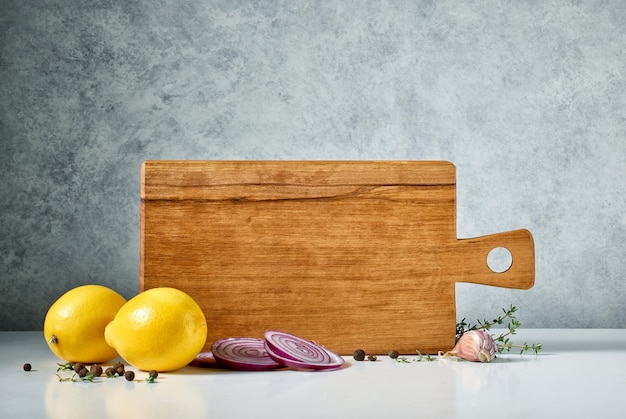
527 98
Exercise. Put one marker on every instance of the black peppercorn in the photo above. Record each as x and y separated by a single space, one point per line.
359 355
83 372
110 372
78 366
152 375
372 358
129 375
120 369
27 367
393 354
96 370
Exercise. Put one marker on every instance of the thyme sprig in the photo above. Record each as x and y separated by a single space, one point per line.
427 357
419 358
503 340
77 375
65 367
88 377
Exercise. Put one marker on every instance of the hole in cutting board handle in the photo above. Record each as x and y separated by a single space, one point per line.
499 259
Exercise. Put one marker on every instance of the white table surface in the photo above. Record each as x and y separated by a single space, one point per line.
578 374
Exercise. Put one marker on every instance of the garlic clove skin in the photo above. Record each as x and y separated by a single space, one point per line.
475 346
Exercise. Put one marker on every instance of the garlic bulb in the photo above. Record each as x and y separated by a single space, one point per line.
475 345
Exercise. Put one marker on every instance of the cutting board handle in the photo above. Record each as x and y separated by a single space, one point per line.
475 269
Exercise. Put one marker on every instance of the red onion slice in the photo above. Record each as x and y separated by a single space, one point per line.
293 351
204 360
244 354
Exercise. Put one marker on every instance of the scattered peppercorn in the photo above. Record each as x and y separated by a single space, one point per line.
27 367
393 354
119 368
359 355
109 372
371 358
96 370
78 366
83 372
129 375
152 375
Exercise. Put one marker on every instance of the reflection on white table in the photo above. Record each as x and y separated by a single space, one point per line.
578 374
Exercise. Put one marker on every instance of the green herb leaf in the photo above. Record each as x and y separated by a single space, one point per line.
64 367
504 343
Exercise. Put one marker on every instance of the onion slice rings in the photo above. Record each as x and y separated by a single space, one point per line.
204 360
296 352
244 354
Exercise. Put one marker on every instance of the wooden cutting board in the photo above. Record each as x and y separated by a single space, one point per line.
350 254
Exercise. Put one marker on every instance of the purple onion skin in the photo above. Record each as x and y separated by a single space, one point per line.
303 365
204 360
225 358
278 350
324 359
242 366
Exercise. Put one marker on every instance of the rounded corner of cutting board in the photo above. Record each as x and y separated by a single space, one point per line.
451 166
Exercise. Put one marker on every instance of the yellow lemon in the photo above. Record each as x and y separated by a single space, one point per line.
74 324
160 329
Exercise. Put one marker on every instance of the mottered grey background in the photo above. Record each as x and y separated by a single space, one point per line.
526 98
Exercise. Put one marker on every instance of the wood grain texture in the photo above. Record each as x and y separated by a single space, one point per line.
349 254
